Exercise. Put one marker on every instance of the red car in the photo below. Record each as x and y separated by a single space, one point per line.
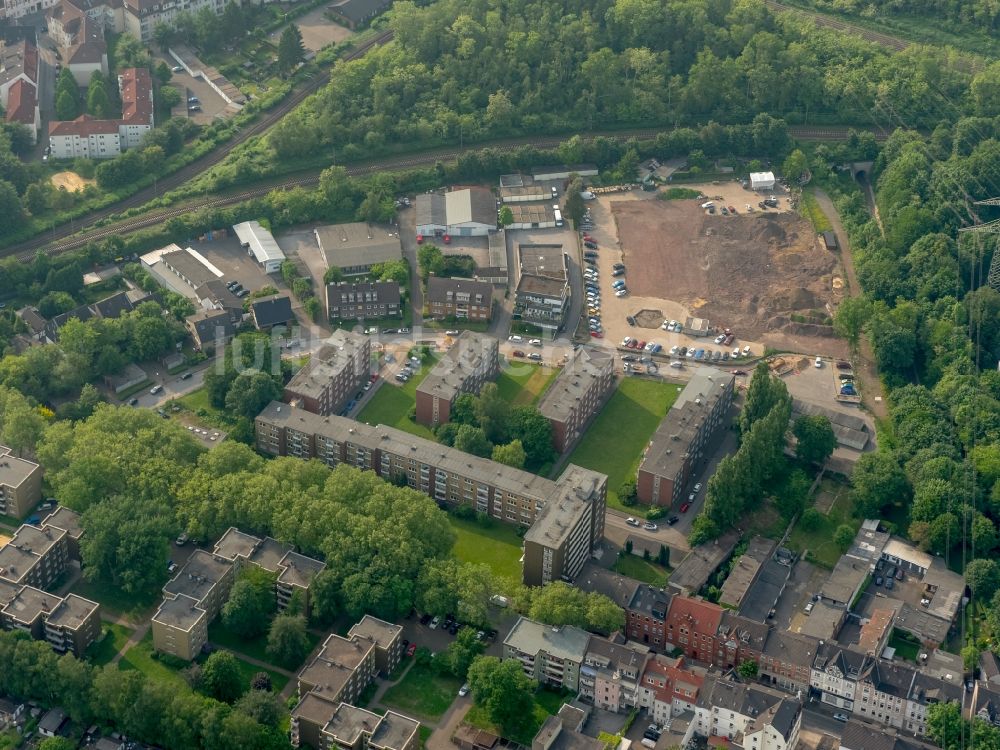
420 239
597 334
732 210
517 353
447 239
641 345
684 507
374 376
411 649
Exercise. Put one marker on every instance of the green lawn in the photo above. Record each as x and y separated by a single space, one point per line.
391 404
498 546
523 384
197 402
905 645
640 569
117 602
115 636
819 542
248 670
423 693
255 648
615 441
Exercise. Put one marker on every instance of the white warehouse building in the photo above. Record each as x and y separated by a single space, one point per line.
260 245
463 213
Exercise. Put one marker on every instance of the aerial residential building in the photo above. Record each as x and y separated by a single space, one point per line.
26 610
470 212
692 626
20 484
67 520
896 695
542 297
387 638
738 640
355 247
103 139
646 616
786 661
350 728
340 671
73 624
35 556
681 443
363 300
858 735
268 312
78 27
141 17
296 577
22 106
471 361
191 600
835 674
668 688
567 529
459 298
453 478
551 655
765 718
563 731
18 62
611 672
340 367
583 385
260 245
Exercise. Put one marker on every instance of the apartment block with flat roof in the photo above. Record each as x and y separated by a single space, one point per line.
542 296
340 726
20 484
471 361
679 445
296 576
73 624
180 627
201 588
363 300
333 374
35 556
387 638
453 477
551 655
69 521
611 672
577 395
341 670
459 298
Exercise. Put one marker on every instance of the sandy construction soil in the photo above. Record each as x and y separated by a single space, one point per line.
71 181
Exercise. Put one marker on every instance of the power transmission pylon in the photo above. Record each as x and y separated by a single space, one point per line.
990 227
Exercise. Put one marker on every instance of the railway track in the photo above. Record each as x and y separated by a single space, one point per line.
883 40
178 178
828 133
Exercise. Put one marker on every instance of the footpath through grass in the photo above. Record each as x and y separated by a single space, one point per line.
114 637
255 648
498 546
391 404
423 693
615 441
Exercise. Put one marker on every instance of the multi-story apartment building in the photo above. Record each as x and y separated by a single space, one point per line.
343 668
69 521
668 688
35 556
752 716
551 655
786 661
105 139
646 616
363 300
835 674
347 727
293 572
69 624
141 17
566 529
455 478
680 444
73 624
577 395
191 600
20 484
333 374
860 736
388 640
459 298
472 360
610 675
738 640
543 292
896 695
692 626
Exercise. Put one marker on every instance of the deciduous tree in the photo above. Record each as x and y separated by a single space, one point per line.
503 690
815 438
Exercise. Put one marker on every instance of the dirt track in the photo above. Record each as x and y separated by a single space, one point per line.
750 272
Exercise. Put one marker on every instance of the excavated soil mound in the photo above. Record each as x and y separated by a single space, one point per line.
649 319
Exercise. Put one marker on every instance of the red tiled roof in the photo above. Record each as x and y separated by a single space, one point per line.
137 100
699 615
84 125
31 61
21 102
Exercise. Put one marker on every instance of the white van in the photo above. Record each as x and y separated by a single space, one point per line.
708 204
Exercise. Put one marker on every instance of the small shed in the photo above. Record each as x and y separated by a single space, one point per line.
830 241
762 180
697 326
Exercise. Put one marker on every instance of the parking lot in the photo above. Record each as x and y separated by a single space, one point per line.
212 105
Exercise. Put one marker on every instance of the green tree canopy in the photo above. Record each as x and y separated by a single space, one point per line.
221 676
815 438
503 690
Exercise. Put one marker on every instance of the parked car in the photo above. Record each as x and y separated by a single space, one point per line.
182 539
809 607
535 356
684 507
535 342
156 389
878 580
818 362
899 574
889 584
630 320
176 69
411 649
672 520
632 522
840 717
434 623
515 339
451 333
650 526
499 601
517 353
171 566
463 691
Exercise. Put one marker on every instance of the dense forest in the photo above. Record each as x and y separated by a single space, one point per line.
982 14
463 70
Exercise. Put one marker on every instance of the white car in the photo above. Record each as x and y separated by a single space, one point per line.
674 349
720 338
676 365
650 526
535 342
632 522
451 333
746 351
819 362
515 339
626 341
841 717
736 353
649 346
621 293
434 623
463 691
697 487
